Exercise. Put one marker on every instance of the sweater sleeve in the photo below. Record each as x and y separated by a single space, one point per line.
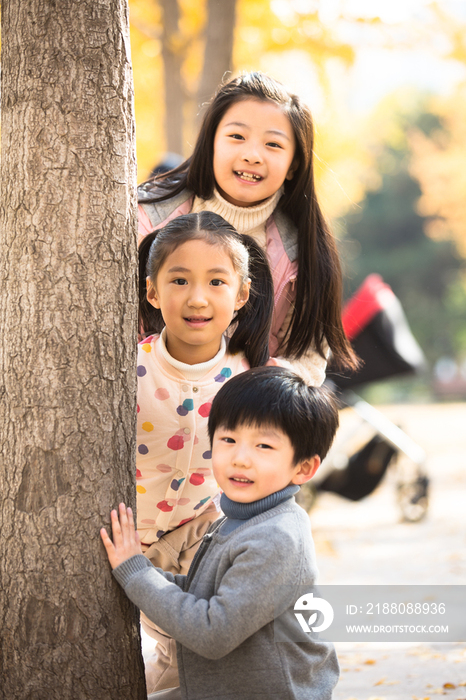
139 564
144 224
253 590
311 366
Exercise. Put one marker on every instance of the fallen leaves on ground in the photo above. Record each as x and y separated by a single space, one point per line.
383 681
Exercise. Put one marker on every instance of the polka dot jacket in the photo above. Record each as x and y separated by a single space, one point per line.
174 475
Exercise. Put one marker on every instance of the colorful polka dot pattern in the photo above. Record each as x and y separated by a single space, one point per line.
174 479
224 374
161 394
204 410
186 407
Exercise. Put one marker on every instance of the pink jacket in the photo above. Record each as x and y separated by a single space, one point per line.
284 270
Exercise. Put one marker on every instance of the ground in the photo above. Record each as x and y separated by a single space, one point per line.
366 542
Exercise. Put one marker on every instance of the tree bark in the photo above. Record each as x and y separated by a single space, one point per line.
68 312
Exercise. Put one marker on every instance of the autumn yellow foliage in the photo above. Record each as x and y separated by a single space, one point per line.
261 32
439 165
271 34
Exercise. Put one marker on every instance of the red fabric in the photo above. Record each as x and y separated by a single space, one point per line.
372 297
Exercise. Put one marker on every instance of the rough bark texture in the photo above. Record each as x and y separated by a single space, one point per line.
67 349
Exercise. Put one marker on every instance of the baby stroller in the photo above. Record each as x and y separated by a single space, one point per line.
375 324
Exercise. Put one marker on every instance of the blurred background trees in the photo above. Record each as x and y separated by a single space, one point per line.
387 86
397 232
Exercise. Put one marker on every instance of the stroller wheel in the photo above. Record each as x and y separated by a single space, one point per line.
413 498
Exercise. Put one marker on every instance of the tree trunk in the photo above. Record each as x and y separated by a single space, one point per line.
218 53
67 349
172 54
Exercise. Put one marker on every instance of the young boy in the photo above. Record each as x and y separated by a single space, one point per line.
269 432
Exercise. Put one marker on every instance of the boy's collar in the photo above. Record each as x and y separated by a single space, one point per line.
244 511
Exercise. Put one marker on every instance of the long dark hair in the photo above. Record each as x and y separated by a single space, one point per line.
251 323
316 315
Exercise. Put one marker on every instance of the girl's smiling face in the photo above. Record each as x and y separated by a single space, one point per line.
198 291
254 150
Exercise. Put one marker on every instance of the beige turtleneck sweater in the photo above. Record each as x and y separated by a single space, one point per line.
252 220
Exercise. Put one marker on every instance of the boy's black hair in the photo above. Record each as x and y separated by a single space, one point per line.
278 398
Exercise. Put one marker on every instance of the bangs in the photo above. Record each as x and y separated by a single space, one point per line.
276 398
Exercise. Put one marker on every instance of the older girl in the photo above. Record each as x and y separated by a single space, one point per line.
253 165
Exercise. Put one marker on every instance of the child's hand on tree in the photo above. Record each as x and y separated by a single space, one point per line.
126 541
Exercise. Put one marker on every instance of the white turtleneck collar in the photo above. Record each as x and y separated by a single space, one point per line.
249 220
191 372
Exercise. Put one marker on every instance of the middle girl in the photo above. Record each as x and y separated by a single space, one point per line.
195 284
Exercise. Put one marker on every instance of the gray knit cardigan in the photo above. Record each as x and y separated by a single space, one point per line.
222 613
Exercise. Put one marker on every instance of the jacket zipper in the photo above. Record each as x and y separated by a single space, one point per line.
206 540
283 285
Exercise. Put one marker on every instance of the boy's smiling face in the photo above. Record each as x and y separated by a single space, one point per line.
252 462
